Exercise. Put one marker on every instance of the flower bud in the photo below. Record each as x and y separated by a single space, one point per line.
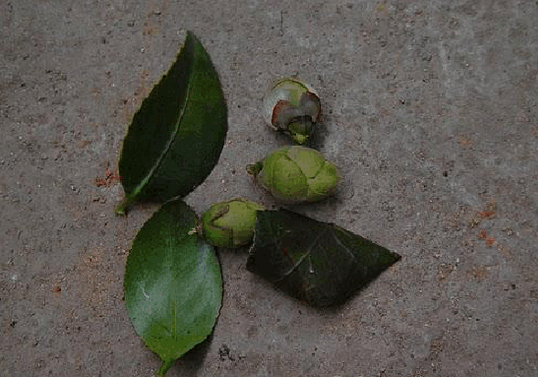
293 107
231 223
296 174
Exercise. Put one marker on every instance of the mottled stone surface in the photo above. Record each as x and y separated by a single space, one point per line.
430 111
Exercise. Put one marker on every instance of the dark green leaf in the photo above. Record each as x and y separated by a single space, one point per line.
172 283
318 262
176 137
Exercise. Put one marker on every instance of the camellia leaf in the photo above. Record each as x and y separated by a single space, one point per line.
313 261
172 284
177 135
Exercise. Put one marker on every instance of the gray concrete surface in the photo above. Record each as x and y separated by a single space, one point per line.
431 114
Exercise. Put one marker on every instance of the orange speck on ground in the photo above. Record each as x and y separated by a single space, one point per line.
110 179
465 142
485 214
490 241
479 272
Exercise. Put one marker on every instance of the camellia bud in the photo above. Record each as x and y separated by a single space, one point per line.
296 174
229 224
293 107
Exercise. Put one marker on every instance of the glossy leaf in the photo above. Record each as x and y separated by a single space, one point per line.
313 261
177 135
172 283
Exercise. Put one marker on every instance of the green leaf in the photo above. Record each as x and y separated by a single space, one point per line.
172 283
177 135
313 261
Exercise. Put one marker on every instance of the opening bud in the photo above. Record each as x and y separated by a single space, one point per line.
293 107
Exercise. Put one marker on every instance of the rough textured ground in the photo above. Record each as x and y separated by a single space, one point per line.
431 114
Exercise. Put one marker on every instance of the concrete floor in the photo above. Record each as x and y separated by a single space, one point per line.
431 114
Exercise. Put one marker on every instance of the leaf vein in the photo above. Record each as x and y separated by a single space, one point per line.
344 247
306 254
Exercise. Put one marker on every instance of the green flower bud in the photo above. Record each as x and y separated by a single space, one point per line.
296 174
229 224
293 107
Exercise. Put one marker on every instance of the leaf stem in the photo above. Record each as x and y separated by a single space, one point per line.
254 169
122 208
164 367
